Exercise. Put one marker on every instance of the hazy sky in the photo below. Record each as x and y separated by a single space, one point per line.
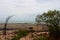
25 10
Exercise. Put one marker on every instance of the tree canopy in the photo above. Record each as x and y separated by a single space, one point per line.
52 19
48 16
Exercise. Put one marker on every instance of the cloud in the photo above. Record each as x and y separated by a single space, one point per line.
26 9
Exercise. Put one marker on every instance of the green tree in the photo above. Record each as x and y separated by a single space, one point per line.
52 20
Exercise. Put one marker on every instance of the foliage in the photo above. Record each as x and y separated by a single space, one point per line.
20 34
41 37
52 20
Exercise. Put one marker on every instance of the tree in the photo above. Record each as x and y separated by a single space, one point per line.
52 20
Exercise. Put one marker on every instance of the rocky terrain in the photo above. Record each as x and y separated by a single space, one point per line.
12 27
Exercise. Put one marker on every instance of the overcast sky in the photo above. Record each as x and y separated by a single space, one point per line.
25 10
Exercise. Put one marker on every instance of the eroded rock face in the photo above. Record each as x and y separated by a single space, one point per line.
28 37
9 35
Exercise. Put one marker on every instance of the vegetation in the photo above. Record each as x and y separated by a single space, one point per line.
41 37
52 20
20 34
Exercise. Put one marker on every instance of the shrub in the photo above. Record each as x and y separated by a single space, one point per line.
20 34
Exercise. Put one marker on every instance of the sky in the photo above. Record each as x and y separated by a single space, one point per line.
25 10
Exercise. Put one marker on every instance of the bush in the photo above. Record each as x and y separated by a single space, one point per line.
20 34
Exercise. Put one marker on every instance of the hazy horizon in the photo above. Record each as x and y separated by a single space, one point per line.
25 11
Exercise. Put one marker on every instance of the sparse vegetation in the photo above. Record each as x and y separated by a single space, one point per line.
20 34
42 37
